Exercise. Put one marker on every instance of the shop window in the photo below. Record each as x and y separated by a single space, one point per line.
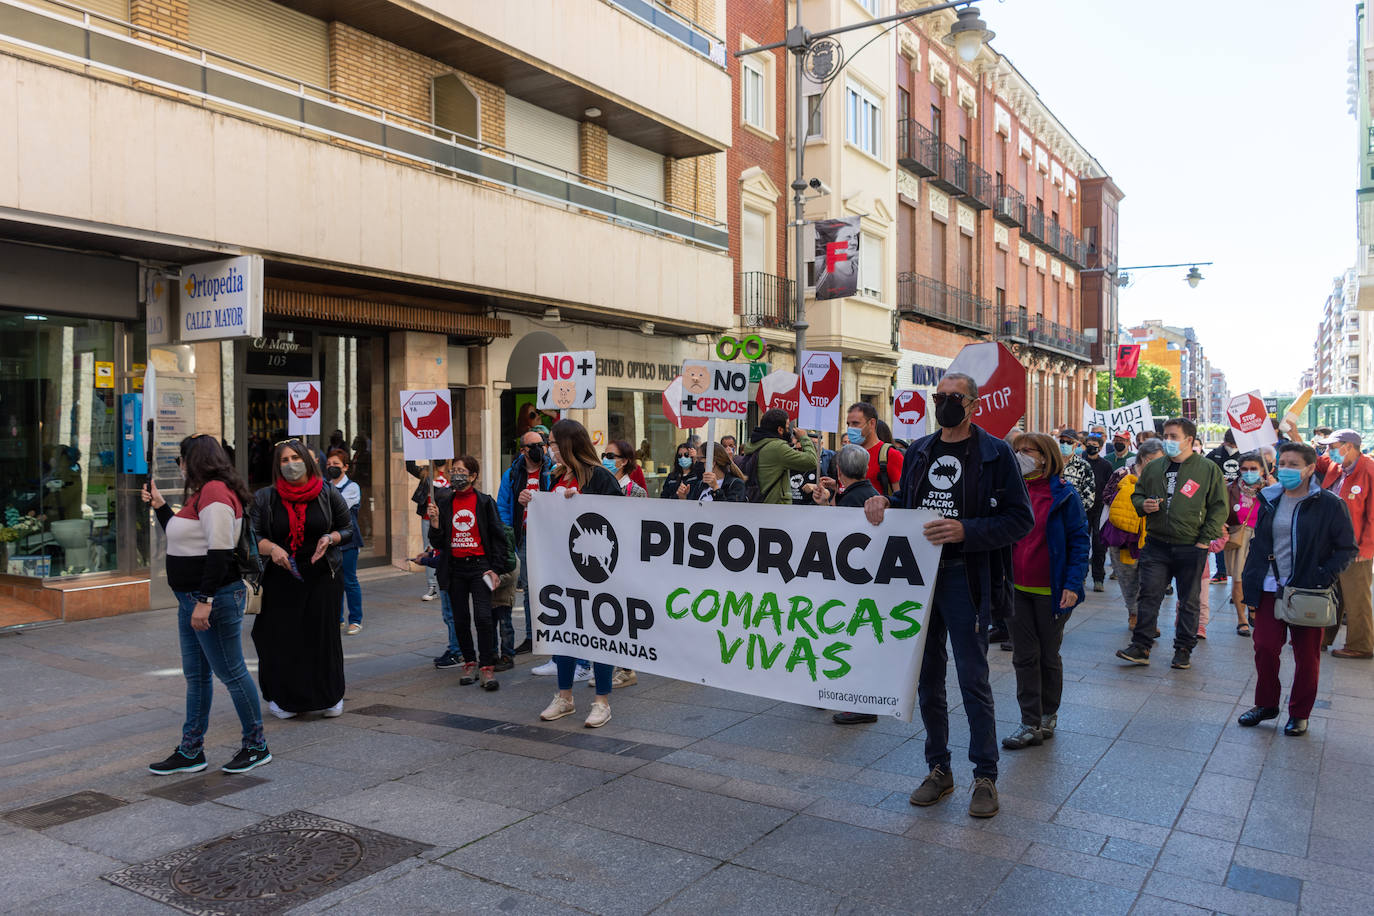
61 445
637 418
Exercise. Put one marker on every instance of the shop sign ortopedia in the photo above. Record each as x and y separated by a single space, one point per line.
221 299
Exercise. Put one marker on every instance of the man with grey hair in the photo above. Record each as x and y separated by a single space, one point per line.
973 481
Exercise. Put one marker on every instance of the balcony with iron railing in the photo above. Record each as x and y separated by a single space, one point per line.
1012 323
1050 335
1034 230
106 47
676 26
767 301
1009 206
930 298
1050 240
918 149
1072 248
964 178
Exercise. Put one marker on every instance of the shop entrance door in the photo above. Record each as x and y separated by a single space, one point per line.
265 426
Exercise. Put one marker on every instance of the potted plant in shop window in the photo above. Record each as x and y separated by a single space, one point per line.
15 528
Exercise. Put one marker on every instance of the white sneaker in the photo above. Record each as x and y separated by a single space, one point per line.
277 711
548 669
624 677
558 708
582 674
354 629
599 715
333 711
430 595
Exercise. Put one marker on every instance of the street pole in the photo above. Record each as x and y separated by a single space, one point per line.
798 43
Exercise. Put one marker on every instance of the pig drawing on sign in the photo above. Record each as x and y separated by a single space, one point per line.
594 545
563 394
696 379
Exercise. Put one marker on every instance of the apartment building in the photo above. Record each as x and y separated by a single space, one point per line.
433 193
1340 357
1218 396
1178 350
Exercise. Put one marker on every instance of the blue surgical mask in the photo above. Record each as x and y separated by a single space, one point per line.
1172 448
1078 450
856 435
1065 449
1250 477
608 464
1289 478
684 462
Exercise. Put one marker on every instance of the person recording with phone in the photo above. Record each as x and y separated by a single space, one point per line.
466 528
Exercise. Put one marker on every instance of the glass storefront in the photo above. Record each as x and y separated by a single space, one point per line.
60 447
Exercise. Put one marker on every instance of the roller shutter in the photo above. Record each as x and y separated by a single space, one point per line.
265 34
634 168
540 134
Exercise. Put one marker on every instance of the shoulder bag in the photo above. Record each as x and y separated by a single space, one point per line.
1304 607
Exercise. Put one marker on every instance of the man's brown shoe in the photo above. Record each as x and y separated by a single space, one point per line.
936 786
1347 653
984 800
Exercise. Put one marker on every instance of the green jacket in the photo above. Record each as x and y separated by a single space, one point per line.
1197 510
776 461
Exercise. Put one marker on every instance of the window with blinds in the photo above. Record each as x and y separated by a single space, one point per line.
634 168
540 134
264 34
870 265
753 243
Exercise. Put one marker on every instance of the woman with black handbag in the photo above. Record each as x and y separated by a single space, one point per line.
1303 540
300 524
203 573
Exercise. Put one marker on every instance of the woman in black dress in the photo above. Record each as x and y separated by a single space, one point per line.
300 523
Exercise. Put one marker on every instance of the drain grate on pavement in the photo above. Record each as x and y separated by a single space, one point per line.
64 810
210 786
271 866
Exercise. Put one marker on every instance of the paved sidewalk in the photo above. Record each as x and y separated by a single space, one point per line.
440 798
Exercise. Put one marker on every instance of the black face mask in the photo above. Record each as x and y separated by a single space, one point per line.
1119 446
535 455
1092 449
332 472
950 413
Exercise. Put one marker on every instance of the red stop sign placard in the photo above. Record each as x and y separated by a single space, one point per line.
1001 381
426 415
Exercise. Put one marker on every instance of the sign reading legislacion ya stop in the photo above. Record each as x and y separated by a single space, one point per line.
817 607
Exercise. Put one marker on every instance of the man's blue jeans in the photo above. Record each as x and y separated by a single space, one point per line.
452 630
353 592
524 584
217 651
953 616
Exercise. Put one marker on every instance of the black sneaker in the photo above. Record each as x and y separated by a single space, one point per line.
1181 660
1134 654
998 634
247 758
853 718
504 663
523 649
448 660
178 763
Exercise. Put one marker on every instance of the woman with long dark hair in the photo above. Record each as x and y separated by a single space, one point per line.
300 524
723 481
204 576
578 470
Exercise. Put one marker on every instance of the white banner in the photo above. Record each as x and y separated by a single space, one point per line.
567 380
1137 417
911 413
427 424
819 405
816 607
303 408
715 389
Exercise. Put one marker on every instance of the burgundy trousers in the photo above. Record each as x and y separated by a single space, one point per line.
1269 635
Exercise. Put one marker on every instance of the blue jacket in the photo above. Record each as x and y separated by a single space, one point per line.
508 497
1324 542
997 510
1070 544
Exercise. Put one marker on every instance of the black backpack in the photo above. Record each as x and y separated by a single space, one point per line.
749 466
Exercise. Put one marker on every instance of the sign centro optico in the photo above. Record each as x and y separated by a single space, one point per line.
752 346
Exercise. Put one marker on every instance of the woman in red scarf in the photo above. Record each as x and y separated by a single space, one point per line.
300 523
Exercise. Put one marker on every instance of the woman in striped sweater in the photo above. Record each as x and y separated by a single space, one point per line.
204 576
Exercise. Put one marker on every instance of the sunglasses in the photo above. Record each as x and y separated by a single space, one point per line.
943 396
291 441
611 455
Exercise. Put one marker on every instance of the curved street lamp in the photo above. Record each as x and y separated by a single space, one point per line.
968 34
1194 275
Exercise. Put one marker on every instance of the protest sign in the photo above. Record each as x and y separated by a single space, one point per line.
1250 423
780 389
819 608
715 389
567 380
1135 417
819 405
1001 381
1127 360
910 413
427 425
303 408
672 407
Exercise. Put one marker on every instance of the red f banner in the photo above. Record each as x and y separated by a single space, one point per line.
1127 360
837 257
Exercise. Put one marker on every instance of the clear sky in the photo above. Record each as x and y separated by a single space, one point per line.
1225 123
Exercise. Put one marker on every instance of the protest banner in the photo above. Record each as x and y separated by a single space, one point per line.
1127 360
567 380
911 413
819 405
1250 423
427 425
819 608
1136 417
303 408
837 257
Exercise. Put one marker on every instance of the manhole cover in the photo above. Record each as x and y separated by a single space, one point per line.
271 866
63 810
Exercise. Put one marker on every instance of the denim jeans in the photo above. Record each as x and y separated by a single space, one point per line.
1221 563
567 665
353 592
217 651
953 616
431 577
1185 564
447 607
524 583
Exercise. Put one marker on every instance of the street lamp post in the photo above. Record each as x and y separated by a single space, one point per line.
967 36
1123 279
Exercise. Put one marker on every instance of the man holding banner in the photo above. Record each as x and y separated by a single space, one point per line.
973 480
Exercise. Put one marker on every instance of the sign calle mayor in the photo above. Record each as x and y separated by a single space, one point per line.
221 299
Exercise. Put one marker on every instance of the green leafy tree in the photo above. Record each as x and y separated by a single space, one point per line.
1150 382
